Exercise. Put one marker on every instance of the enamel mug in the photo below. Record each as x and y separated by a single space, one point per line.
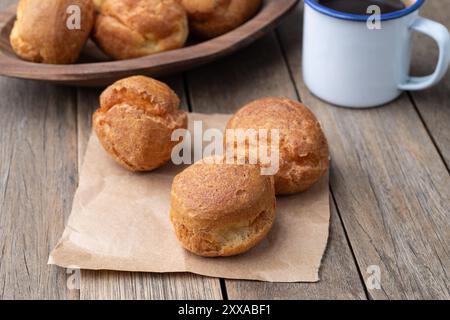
348 63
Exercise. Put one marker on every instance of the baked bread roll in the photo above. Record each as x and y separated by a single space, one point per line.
212 18
221 209
126 29
135 122
304 156
41 32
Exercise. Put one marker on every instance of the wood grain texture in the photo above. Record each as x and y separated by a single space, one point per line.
226 86
94 73
391 188
433 104
107 285
38 180
127 285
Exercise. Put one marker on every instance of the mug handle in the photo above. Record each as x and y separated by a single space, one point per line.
441 35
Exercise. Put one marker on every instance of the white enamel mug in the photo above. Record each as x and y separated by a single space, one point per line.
349 64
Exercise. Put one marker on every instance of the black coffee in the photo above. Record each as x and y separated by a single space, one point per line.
360 6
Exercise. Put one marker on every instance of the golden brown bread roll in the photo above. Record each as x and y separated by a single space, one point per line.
135 121
126 29
221 209
41 32
304 156
212 18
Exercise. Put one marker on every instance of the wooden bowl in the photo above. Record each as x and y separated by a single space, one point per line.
95 69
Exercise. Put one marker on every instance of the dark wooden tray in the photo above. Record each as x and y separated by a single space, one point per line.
94 69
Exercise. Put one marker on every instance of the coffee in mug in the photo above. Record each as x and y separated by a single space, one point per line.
361 6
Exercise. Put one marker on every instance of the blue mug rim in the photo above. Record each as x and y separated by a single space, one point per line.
355 17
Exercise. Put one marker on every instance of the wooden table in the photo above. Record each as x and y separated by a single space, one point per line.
390 183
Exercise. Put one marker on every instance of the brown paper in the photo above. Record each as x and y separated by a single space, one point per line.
120 221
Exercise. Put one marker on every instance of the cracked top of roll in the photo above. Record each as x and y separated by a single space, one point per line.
127 29
213 190
154 97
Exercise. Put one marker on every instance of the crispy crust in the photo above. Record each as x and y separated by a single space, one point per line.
126 29
304 155
222 209
212 18
40 33
135 121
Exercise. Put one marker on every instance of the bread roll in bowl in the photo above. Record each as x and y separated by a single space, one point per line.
304 156
135 121
221 209
212 18
44 33
126 29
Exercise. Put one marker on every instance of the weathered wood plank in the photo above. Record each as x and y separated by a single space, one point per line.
127 285
224 87
147 286
38 180
43 289
391 188
434 104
